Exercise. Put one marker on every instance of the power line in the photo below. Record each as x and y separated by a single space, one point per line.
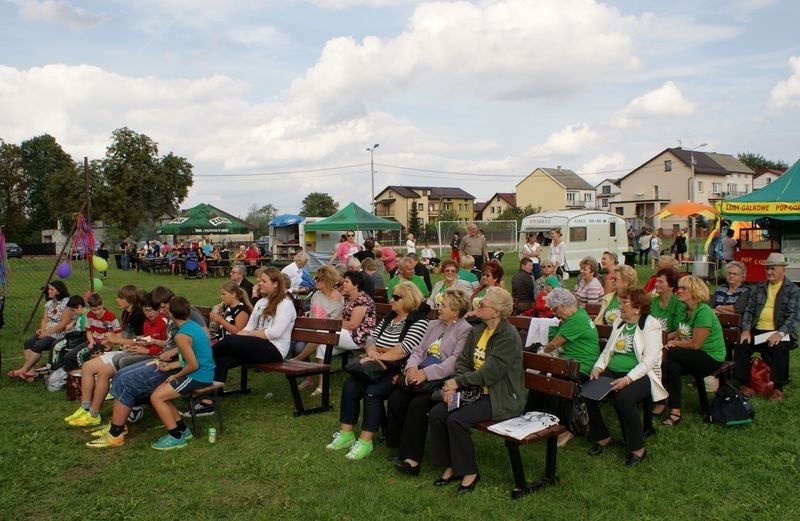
287 172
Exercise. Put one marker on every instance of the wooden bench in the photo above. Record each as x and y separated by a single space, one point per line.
210 392
553 378
380 295
522 323
312 330
593 309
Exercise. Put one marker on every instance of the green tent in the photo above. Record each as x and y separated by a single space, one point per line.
204 219
353 217
778 200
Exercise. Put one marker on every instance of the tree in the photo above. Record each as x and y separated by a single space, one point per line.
43 160
756 162
514 213
414 221
259 218
137 185
13 193
318 204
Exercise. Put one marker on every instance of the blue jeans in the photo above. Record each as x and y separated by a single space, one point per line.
353 391
134 384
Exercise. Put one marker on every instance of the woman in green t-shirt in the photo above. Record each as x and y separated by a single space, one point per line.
631 357
576 337
666 306
697 347
624 277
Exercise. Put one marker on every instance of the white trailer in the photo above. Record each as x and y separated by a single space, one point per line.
587 233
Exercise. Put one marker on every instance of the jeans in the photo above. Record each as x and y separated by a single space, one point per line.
373 394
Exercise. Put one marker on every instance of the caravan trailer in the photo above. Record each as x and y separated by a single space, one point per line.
585 232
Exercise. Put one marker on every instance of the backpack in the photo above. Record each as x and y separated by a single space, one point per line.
730 407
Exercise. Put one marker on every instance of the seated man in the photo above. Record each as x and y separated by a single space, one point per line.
771 308
522 286
422 271
429 256
405 271
466 273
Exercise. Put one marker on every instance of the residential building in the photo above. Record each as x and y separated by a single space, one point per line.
765 176
497 204
395 202
554 189
604 192
666 178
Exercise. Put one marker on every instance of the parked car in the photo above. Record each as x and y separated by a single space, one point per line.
13 250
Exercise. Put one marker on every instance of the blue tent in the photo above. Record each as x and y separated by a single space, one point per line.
286 219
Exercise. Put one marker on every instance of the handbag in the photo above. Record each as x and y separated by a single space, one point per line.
368 372
760 377
428 386
578 421
730 407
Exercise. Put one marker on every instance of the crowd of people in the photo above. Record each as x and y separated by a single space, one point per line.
161 348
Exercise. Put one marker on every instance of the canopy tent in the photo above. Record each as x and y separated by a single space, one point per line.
286 219
778 200
204 219
687 209
353 217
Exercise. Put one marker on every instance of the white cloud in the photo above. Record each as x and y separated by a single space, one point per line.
665 101
505 49
787 93
257 35
60 12
346 4
604 163
569 141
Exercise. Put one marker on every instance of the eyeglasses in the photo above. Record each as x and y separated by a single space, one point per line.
396 297
350 235
735 273
483 305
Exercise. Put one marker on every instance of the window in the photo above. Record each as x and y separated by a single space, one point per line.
769 180
747 189
587 197
431 208
447 206
604 204
493 208
612 229
570 197
420 206
668 165
620 210
699 186
577 234
716 187
606 189
733 188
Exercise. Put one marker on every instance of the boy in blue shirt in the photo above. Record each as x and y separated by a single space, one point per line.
196 365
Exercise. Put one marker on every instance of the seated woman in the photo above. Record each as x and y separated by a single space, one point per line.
624 277
664 262
588 290
548 268
491 363
449 280
53 326
358 318
665 306
268 332
631 357
697 347
576 338
234 313
370 267
431 361
540 309
491 276
609 261
241 253
731 296
392 341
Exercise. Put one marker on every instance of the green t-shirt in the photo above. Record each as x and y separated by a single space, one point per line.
704 316
582 340
467 275
669 316
612 311
80 322
623 357
415 279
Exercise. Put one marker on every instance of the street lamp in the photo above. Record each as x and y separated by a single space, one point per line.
694 188
372 173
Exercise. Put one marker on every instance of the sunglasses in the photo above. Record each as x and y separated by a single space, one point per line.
396 297
350 235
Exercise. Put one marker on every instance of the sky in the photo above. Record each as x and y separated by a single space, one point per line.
272 100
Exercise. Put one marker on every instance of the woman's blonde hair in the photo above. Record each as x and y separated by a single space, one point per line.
697 289
628 274
411 296
502 299
668 261
234 289
456 300
328 274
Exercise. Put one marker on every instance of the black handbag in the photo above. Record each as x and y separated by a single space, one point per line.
368 372
578 421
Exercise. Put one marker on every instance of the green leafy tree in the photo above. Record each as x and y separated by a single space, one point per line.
259 218
43 161
318 204
756 162
13 193
414 221
450 215
137 184
517 214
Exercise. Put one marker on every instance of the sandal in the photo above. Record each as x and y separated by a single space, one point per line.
658 410
672 420
14 373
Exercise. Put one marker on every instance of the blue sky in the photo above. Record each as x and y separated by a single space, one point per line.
484 91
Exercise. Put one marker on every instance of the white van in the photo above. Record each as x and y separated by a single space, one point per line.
585 233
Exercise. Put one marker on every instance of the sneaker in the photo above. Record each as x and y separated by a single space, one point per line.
317 392
341 440
87 420
360 450
107 441
308 382
77 414
200 409
187 434
776 396
167 442
102 431
136 414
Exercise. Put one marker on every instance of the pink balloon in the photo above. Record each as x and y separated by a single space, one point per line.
63 270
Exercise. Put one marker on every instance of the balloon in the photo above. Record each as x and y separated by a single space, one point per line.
98 284
64 269
99 263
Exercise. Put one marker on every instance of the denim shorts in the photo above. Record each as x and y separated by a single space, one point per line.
134 385
185 385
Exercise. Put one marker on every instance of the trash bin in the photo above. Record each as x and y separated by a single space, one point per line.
118 260
630 258
700 267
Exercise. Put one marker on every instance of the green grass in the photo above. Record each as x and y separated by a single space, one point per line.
271 465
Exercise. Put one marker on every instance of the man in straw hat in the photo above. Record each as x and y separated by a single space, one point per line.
771 308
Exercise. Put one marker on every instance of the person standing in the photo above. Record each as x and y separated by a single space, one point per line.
644 247
680 245
558 252
411 246
532 250
729 245
455 243
475 245
655 246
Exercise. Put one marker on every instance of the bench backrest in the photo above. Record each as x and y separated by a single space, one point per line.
593 309
550 375
322 331
731 327
522 323
381 295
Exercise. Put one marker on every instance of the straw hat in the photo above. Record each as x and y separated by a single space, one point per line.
776 259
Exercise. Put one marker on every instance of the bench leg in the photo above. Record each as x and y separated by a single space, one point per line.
298 400
299 409
520 485
701 393
243 388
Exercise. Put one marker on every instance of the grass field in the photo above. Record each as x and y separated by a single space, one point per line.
271 465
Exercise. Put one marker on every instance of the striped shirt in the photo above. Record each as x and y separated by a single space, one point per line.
589 292
390 335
